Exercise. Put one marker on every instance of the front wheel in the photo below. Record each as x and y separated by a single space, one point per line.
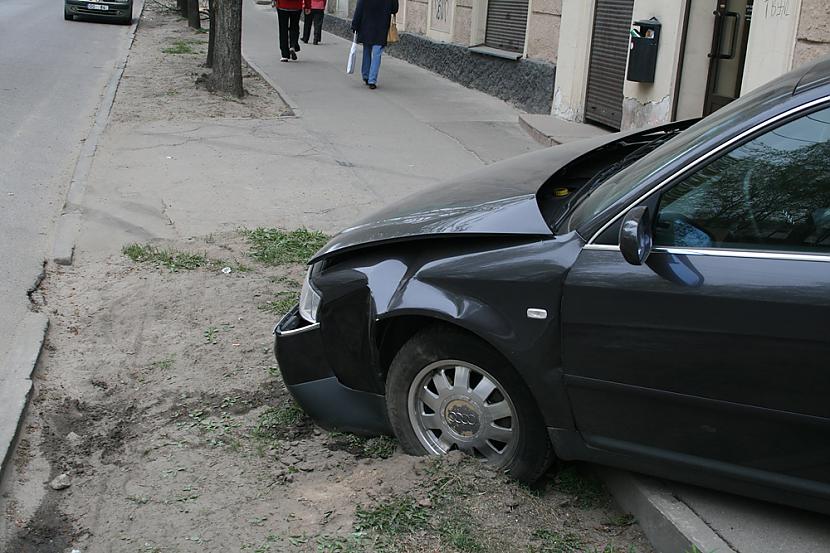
447 390
67 15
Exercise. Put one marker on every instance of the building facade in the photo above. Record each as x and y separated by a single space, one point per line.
702 55
621 64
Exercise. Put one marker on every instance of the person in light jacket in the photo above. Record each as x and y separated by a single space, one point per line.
371 23
288 15
314 15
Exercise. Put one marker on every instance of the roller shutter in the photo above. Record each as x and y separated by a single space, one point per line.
506 25
609 52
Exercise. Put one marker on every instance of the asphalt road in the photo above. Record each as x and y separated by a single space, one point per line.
52 74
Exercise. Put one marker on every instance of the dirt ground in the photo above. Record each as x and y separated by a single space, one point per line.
158 396
165 62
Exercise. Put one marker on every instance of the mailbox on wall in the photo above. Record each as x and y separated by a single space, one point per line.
642 55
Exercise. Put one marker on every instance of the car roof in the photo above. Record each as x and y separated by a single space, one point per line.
816 74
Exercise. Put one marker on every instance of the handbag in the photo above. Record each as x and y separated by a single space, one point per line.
352 56
392 35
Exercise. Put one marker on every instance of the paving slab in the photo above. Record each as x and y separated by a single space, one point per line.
550 130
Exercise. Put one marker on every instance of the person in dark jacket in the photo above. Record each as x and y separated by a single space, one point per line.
371 23
288 14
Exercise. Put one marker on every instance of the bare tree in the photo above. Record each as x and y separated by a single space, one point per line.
193 15
182 7
227 51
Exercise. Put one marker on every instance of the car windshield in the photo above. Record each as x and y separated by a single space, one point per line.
626 183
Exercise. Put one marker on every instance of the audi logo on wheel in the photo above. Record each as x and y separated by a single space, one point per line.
464 419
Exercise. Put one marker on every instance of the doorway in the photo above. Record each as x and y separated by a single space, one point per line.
732 19
606 69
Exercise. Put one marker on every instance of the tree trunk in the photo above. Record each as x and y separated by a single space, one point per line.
211 34
182 5
227 54
193 16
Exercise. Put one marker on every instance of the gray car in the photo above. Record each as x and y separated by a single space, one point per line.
655 300
120 12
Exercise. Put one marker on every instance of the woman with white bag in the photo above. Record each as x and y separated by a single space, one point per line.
371 23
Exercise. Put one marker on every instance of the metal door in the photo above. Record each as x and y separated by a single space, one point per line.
726 60
609 53
506 25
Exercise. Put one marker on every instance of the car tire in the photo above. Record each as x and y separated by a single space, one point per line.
67 16
488 410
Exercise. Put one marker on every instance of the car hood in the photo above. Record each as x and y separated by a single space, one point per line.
497 200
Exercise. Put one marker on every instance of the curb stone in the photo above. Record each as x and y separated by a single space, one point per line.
16 380
69 222
668 523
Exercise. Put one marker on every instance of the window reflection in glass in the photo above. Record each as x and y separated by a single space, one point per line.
772 193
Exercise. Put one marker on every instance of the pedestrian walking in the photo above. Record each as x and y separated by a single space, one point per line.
288 16
314 15
371 23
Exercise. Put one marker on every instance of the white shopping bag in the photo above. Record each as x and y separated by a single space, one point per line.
352 56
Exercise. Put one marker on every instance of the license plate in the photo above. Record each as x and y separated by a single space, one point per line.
97 7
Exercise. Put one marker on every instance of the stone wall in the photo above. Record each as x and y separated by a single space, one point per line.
527 84
813 35
543 30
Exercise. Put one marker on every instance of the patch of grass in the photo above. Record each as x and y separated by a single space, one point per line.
282 304
378 447
164 364
173 260
210 334
622 521
353 543
457 532
555 542
274 246
179 47
273 422
396 516
587 490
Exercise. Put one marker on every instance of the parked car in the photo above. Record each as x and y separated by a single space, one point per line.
655 300
119 11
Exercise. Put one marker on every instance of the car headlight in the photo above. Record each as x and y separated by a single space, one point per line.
309 300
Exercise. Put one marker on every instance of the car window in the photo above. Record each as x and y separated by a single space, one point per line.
771 193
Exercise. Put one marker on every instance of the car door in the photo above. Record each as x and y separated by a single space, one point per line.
716 351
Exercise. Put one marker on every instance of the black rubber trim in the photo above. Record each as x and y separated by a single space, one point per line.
334 406
299 352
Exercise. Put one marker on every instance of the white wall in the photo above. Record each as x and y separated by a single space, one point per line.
771 44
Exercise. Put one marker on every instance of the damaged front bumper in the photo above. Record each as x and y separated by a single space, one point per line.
312 382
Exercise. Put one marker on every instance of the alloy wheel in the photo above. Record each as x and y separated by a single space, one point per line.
457 405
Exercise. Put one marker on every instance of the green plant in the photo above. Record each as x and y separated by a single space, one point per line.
356 542
399 515
587 490
276 246
554 542
210 334
179 47
282 304
456 531
164 364
173 260
378 447
273 422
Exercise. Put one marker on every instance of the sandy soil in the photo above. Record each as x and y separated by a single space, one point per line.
158 396
161 83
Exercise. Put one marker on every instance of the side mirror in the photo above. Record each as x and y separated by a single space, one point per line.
635 235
